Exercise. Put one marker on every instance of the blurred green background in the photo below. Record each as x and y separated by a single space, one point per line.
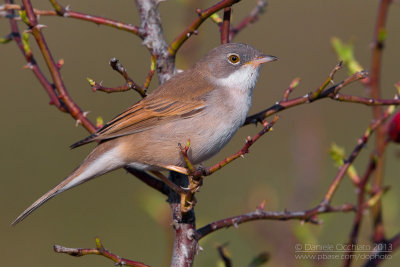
289 167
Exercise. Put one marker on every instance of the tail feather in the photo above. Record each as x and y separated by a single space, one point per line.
100 161
53 192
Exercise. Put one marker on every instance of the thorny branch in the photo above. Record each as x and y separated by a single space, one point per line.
99 250
64 101
228 33
260 214
67 13
130 84
253 17
192 29
331 92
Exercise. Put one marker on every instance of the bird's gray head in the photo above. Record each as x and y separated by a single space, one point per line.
233 64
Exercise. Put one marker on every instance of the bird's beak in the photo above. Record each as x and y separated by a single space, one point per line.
261 60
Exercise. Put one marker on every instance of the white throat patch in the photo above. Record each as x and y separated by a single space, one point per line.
243 79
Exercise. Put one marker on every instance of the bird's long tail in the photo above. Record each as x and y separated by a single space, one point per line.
97 163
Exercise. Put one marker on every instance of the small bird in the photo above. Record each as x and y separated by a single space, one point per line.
205 104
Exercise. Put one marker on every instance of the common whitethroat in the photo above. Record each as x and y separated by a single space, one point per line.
205 104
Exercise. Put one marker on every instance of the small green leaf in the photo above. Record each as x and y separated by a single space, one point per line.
24 18
295 82
382 34
337 154
153 65
345 53
99 122
25 43
216 18
91 81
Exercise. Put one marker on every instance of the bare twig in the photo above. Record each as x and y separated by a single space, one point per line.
305 216
226 25
130 84
6 7
249 19
279 106
290 89
99 250
329 80
365 100
117 66
67 13
192 29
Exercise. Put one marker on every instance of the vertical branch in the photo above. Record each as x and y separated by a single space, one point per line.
374 86
226 25
185 245
192 29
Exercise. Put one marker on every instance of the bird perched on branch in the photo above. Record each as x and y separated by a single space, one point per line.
206 104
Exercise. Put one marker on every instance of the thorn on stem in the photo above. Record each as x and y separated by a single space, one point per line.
261 206
40 26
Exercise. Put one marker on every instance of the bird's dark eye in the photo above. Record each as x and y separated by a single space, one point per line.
234 58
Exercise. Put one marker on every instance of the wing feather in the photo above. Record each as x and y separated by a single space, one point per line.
141 117
171 101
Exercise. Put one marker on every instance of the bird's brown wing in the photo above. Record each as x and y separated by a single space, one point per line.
146 114
180 97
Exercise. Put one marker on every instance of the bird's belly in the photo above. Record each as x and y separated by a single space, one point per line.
210 133
209 144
